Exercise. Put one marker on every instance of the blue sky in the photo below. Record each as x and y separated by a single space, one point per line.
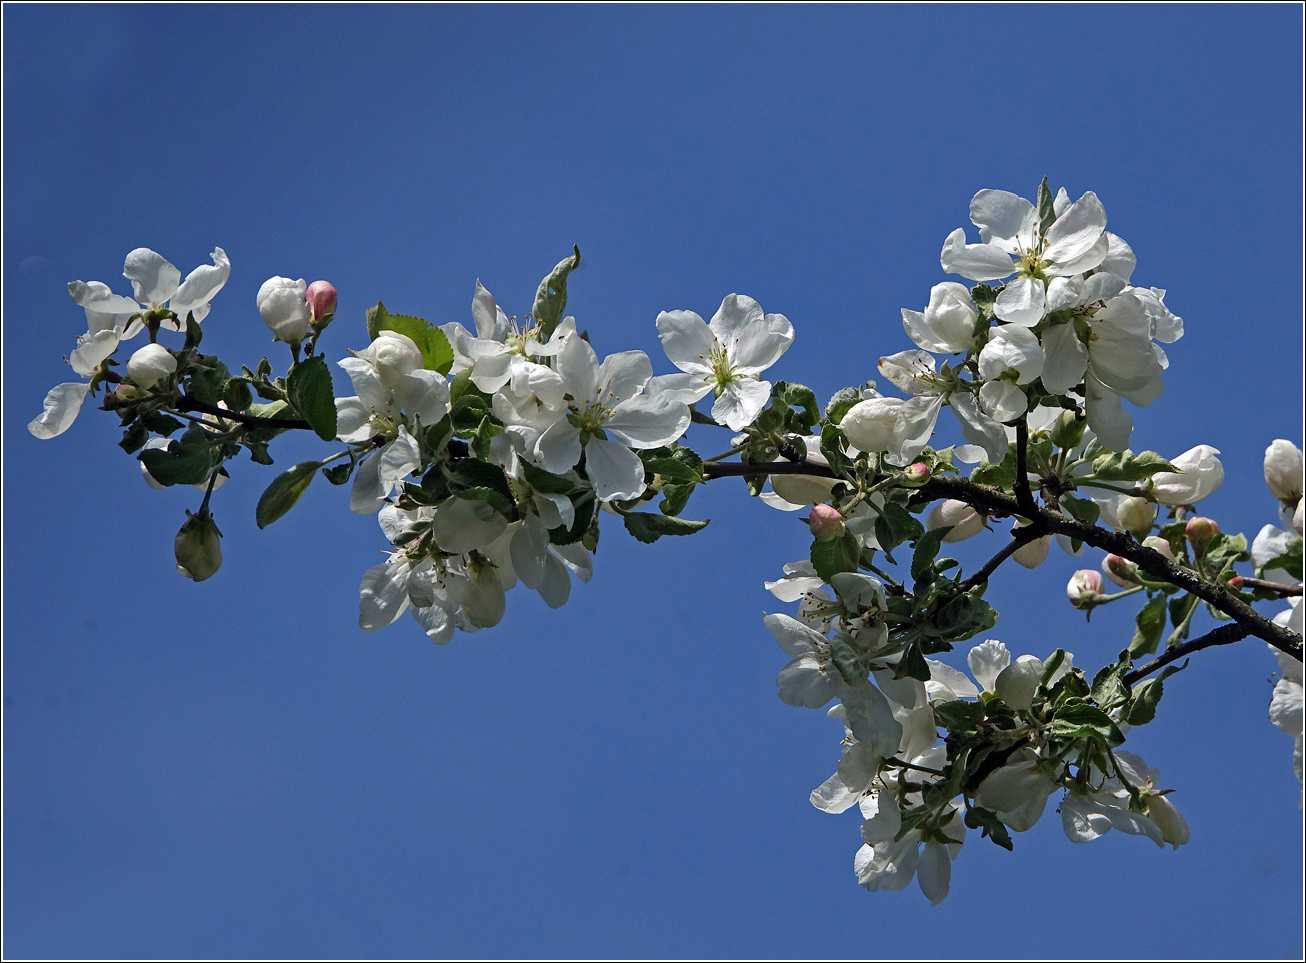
234 769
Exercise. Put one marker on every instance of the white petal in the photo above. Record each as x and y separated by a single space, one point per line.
648 422
794 637
622 375
986 660
399 459
201 285
369 491
682 387
491 323
687 340
383 596
741 402
999 215
436 621
978 427
979 262
530 549
555 589
1003 401
91 350
352 420
62 404
1065 359
558 449
615 470
579 367
934 872
577 558
153 278
948 683
1022 302
1076 231
367 385
1106 415
463 524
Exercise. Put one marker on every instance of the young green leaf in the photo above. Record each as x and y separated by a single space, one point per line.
551 297
281 495
648 527
311 393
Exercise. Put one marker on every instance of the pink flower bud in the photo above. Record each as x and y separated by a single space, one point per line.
321 298
1084 587
1120 570
917 473
825 522
1200 529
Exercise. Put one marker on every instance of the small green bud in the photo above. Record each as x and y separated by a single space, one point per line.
197 548
1068 430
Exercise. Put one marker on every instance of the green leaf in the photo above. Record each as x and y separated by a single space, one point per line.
340 474
258 450
896 525
437 355
999 476
187 461
1126 466
1079 720
676 465
851 663
1047 212
648 527
1083 509
134 437
990 825
839 461
543 481
801 397
675 498
840 402
1290 561
468 412
193 332
281 495
472 473
836 555
208 378
1179 609
551 297
489 427
963 617
959 716
159 423
311 393
1151 624
439 434
1109 689
927 548
1146 695
584 505
912 665
237 394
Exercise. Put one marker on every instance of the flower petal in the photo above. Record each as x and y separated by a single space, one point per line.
615 470
687 340
154 279
62 404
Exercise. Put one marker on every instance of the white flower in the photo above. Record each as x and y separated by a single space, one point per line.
948 324
499 345
724 356
1200 473
1084 587
1009 227
156 284
1286 710
283 305
1018 791
965 521
1011 351
606 400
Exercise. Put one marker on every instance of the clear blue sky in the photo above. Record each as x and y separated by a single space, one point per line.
234 769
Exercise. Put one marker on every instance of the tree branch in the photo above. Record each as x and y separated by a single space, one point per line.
190 403
1001 505
1024 498
1224 635
1019 538
1242 581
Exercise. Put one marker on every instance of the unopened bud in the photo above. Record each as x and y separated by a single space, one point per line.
1136 515
1068 429
126 393
1283 470
916 474
150 365
197 548
825 522
1159 544
1084 587
321 297
1033 554
283 308
1296 516
1200 530
1120 570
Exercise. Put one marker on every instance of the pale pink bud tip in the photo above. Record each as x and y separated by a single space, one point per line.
917 473
1200 529
1120 570
1084 586
825 522
321 300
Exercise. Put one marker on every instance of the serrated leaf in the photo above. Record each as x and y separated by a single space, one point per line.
471 473
551 296
547 482
922 559
193 332
187 461
280 497
896 525
1109 689
840 402
677 465
999 476
963 617
134 437
340 474
1290 561
801 397
1151 624
912 665
959 716
1079 720
648 527
990 825
1081 509
836 555
237 394
437 354
313 396
207 377
1126 466
1146 696
159 423
675 498
1047 212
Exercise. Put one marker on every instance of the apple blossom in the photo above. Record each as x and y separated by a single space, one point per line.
1136 515
284 308
1084 587
198 548
1121 571
826 522
1200 473
150 364
321 297
965 521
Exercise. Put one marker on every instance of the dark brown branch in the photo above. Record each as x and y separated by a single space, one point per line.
999 504
1224 635
190 403
1242 581
1019 538
1024 498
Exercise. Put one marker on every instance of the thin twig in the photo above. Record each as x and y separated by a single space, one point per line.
190 403
1224 635
1019 538
1242 581
1024 498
